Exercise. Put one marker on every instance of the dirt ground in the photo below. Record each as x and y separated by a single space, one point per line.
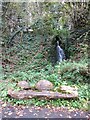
32 112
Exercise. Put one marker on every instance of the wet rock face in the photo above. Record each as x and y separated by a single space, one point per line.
23 84
44 85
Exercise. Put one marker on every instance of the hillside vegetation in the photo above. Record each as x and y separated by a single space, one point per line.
30 56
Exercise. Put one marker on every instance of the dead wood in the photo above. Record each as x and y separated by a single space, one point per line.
27 94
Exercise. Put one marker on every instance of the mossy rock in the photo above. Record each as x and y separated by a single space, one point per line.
44 85
23 84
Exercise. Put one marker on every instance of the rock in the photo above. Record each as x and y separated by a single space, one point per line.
68 89
23 84
44 85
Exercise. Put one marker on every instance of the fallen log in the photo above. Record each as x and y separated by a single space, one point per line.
27 94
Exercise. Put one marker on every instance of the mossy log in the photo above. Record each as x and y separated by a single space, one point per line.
27 94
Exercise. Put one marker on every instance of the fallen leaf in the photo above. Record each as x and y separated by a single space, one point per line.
75 115
4 105
60 115
10 113
35 114
30 110
69 117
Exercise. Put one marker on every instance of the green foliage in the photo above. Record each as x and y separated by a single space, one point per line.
28 58
66 73
31 64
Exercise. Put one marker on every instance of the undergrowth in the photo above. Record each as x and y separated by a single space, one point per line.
31 64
